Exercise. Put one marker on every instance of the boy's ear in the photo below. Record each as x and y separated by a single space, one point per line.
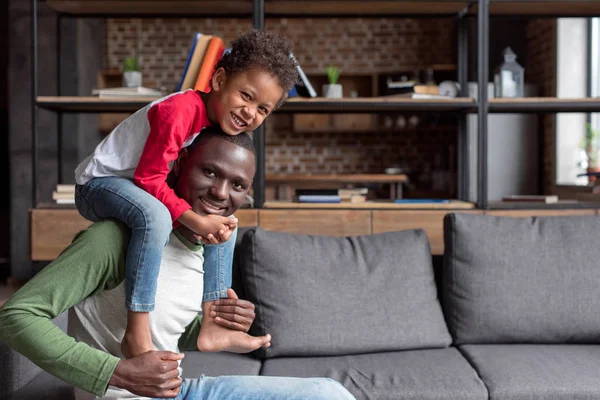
218 80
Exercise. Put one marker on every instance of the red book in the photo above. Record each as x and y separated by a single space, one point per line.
215 50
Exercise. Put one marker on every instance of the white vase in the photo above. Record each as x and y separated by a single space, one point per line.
333 91
132 78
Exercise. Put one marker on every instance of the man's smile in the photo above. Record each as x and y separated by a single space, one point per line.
211 207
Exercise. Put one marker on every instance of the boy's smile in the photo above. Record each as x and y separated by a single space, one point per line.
241 102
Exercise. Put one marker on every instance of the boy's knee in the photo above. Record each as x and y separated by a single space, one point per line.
159 219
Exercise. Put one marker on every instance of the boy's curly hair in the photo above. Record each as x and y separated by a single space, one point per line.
262 49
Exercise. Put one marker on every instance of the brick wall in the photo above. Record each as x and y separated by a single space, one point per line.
541 70
359 46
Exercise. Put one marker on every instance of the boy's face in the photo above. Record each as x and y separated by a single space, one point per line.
244 100
215 177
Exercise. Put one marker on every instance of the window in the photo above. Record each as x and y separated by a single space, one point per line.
573 66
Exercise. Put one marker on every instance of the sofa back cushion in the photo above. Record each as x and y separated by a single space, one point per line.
320 295
522 280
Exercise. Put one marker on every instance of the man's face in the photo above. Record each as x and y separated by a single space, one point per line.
244 100
215 177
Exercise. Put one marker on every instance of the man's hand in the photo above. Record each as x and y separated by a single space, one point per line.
152 374
233 313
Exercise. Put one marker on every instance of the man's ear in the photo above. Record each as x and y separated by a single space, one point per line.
180 162
218 80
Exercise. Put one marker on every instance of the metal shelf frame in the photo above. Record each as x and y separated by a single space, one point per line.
479 9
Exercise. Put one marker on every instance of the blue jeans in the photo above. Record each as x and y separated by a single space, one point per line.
150 223
262 388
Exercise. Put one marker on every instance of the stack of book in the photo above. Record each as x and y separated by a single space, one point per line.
205 52
120 92
356 195
64 194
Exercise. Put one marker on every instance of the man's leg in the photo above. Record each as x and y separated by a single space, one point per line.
262 388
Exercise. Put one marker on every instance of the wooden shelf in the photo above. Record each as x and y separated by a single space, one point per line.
179 8
354 8
560 205
370 205
273 8
316 8
341 178
375 104
92 104
543 104
545 8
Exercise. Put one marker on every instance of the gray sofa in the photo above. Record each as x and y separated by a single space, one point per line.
518 317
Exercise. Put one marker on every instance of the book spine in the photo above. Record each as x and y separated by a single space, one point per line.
304 79
189 59
319 199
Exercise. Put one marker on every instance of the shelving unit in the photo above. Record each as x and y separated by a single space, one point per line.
460 10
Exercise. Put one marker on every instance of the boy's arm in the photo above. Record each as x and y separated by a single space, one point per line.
172 121
93 262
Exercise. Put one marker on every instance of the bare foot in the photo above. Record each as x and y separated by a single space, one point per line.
137 339
214 337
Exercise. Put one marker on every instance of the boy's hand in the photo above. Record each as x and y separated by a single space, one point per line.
214 229
233 313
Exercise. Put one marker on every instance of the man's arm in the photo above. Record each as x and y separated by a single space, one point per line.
93 262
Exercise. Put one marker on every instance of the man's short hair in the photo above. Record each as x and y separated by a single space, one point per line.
243 139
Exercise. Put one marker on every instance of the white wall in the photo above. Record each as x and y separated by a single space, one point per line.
572 61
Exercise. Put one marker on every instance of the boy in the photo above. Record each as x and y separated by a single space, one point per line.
125 177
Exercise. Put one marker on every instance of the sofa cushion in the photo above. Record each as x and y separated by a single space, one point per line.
522 280
416 374
321 295
44 387
196 363
530 372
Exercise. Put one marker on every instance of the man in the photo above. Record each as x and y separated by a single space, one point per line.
214 176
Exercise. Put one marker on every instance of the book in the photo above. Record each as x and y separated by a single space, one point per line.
63 195
137 91
214 51
422 201
318 199
303 87
316 192
191 75
65 201
547 199
65 188
189 59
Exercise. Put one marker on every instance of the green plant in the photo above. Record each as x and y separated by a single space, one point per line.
590 145
131 64
333 74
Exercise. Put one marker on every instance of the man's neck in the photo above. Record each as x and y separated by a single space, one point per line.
187 234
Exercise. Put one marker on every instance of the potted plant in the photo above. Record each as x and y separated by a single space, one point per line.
333 89
132 76
590 145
